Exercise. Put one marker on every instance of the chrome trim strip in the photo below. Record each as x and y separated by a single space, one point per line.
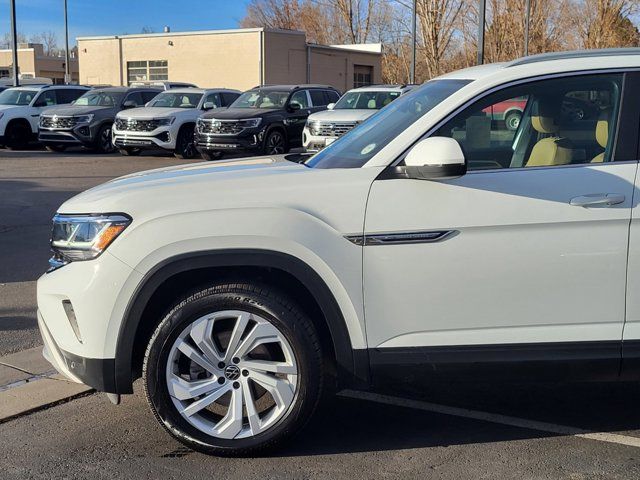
401 238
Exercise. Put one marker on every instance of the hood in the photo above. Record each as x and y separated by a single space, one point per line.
238 113
9 107
70 110
152 112
169 187
343 115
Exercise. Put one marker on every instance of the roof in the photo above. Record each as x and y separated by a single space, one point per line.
198 90
42 87
125 89
194 32
383 88
291 87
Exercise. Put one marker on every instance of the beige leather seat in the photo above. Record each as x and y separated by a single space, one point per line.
552 150
602 135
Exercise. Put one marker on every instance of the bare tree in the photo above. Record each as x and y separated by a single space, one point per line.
49 41
605 23
5 40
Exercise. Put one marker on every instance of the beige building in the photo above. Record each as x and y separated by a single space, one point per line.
240 59
32 62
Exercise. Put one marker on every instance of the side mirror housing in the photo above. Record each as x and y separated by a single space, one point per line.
294 107
129 104
435 158
330 106
208 106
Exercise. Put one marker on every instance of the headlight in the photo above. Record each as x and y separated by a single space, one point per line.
83 237
314 127
165 122
84 118
250 122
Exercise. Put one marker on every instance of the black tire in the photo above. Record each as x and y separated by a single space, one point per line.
17 135
56 148
211 155
185 144
129 151
512 120
275 143
281 313
103 142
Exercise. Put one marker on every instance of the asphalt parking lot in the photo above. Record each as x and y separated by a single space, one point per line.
451 432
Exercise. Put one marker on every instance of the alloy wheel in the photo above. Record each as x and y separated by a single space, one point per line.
275 144
231 374
106 145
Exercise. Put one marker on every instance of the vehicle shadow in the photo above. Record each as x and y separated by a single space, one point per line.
347 425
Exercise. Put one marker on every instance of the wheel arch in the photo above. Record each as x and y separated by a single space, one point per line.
351 365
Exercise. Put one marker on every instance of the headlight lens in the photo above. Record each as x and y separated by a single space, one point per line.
250 122
84 118
314 127
165 122
83 237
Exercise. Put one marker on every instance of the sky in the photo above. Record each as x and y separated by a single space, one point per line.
112 17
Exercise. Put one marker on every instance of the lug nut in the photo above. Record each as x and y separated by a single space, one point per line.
221 380
236 384
220 364
235 360
245 373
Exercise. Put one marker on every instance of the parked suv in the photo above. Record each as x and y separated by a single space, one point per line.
267 120
354 107
430 243
89 120
167 122
20 108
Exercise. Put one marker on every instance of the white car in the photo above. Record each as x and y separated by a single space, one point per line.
167 122
354 107
20 109
429 244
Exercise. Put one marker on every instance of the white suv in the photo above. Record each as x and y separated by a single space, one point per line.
167 122
431 243
20 109
354 107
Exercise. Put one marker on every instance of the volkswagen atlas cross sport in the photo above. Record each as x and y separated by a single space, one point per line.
267 120
430 243
167 121
89 120
354 107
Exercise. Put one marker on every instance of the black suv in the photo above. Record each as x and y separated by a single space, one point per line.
267 120
88 121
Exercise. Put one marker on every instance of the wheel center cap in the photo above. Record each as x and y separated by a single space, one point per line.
232 372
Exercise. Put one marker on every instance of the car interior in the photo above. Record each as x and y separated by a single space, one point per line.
565 121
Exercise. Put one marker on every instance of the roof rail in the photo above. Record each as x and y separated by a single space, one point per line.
544 57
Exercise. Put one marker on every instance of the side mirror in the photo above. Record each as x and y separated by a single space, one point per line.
208 106
129 104
294 107
330 106
435 158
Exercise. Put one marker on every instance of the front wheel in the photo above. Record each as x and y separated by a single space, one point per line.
233 369
185 146
275 143
104 142
17 135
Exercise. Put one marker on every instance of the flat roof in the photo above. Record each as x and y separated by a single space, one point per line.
193 32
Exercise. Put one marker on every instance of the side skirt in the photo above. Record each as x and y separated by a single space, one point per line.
540 362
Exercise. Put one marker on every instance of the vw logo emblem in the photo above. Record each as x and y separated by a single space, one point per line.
232 372
332 126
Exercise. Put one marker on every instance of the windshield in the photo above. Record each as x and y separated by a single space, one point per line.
365 100
100 99
176 100
17 97
360 144
261 99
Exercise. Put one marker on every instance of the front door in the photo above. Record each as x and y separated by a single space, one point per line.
296 119
522 260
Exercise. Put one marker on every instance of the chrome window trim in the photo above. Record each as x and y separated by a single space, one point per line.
513 83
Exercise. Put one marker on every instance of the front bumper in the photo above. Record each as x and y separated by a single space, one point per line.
315 143
248 141
98 373
161 139
81 134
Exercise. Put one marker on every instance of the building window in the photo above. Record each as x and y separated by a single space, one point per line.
362 75
141 71
4 73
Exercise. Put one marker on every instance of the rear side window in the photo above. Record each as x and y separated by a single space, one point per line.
213 98
228 98
148 96
68 95
135 97
318 98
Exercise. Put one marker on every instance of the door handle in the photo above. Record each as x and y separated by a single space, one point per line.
597 200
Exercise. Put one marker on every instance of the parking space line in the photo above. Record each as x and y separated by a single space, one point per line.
494 418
